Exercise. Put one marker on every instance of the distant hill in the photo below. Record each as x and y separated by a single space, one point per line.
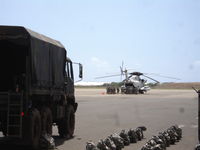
171 85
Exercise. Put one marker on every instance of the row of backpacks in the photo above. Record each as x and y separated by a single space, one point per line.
164 139
118 141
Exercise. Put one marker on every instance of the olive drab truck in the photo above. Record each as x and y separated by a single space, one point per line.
36 86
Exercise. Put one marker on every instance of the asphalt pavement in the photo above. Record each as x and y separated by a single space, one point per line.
99 115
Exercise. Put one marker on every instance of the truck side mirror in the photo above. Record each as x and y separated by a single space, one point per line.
80 71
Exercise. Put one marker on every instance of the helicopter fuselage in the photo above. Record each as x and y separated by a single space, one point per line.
134 85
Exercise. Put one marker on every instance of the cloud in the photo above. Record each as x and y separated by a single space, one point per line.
195 64
99 63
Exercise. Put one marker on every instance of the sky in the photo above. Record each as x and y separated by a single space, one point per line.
151 36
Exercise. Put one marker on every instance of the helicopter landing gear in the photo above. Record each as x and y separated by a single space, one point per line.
141 91
131 90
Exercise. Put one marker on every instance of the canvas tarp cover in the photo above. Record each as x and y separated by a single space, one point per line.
48 56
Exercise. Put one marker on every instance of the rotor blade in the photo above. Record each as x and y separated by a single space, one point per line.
122 73
121 70
151 78
130 69
108 76
163 76
111 73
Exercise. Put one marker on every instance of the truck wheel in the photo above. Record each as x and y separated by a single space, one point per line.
34 128
61 129
4 133
66 126
46 120
70 120
4 129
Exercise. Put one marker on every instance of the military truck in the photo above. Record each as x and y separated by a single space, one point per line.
36 86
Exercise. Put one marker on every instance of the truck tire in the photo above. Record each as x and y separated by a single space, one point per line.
61 128
4 129
3 123
67 125
34 128
46 116
70 120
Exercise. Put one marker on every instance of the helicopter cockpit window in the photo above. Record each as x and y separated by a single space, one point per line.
135 78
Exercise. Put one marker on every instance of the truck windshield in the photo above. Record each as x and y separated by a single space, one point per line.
69 70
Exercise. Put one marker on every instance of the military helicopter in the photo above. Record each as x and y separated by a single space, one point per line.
133 83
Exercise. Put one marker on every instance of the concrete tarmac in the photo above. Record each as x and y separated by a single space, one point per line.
99 115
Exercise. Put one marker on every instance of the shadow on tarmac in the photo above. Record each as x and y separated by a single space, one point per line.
8 146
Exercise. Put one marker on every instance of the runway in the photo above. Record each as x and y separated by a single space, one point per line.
100 115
